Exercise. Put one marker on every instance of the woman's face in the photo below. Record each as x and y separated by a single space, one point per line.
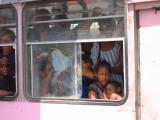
102 75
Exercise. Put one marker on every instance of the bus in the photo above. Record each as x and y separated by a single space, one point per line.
59 57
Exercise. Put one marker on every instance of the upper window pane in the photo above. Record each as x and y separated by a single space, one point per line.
7 51
73 20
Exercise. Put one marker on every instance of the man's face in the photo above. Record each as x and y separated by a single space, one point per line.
4 67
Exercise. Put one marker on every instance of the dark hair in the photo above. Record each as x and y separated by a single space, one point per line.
43 63
101 64
9 32
62 16
86 58
109 22
116 85
3 58
64 25
43 14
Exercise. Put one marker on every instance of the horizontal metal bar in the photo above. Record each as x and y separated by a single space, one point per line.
7 44
78 19
9 24
76 41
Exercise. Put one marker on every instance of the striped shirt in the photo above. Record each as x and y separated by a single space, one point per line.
111 56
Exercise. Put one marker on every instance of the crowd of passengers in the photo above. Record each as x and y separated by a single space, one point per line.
102 62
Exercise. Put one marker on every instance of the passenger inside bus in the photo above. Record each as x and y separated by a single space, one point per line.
111 27
111 52
97 11
7 82
7 36
113 90
86 48
40 31
89 78
119 32
2 21
46 74
62 30
89 28
56 71
107 27
102 72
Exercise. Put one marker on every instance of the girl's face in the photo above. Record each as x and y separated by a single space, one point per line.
102 75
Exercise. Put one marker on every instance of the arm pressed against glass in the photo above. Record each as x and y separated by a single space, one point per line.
46 74
92 95
6 93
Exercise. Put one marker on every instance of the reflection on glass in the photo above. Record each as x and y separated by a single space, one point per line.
53 61
54 70
75 20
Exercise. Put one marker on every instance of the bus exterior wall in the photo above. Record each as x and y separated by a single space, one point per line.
147 95
149 36
145 31
22 109
147 17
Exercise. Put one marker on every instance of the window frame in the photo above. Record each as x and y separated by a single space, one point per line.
14 44
83 101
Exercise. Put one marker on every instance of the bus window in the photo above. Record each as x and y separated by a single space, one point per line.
7 52
63 43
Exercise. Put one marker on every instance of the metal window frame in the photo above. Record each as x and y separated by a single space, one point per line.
125 63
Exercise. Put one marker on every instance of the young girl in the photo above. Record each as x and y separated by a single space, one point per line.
113 90
102 74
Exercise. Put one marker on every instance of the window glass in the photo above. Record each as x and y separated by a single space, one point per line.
54 70
66 45
7 51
